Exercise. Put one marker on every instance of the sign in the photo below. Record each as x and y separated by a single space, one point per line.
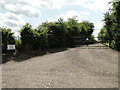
10 47
87 39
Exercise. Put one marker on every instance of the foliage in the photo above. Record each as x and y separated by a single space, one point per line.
27 35
112 26
40 37
18 45
81 30
33 38
57 34
86 29
7 38
92 39
49 35
103 35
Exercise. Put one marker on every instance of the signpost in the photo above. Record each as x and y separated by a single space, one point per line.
10 47
87 41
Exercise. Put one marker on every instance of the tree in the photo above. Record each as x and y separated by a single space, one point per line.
103 35
57 34
116 13
42 36
7 38
108 18
86 29
112 25
27 36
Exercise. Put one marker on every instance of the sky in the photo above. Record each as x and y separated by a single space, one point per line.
16 13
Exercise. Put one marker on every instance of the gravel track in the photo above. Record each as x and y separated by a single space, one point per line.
79 67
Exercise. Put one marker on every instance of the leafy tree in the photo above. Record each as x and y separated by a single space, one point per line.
116 13
57 34
7 38
42 36
92 39
34 38
73 29
27 34
112 25
108 24
103 35
86 29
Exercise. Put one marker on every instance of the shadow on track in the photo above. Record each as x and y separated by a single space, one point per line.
23 56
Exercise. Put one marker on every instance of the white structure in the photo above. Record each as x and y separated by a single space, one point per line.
10 47
87 39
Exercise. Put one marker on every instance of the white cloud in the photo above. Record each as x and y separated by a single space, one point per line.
48 3
51 20
94 5
84 13
98 26
12 16
11 20
14 9
12 12
70 14
23 6
97 5
20 8
90 4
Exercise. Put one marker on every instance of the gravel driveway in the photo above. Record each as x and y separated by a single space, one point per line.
79 67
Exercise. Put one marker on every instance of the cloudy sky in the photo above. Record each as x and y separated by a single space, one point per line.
15 13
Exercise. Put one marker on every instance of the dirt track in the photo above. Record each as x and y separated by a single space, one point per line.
80 67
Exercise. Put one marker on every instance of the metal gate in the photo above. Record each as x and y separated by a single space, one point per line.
85 43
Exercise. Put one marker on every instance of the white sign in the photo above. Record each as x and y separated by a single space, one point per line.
10 47
87 39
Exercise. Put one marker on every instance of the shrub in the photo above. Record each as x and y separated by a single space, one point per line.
40 38
57 35
18 45
27 35
33 38
7 38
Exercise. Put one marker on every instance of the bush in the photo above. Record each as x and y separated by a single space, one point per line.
57 35
40 38
7 38
27 36
54 34
33 38
18 45
117 42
